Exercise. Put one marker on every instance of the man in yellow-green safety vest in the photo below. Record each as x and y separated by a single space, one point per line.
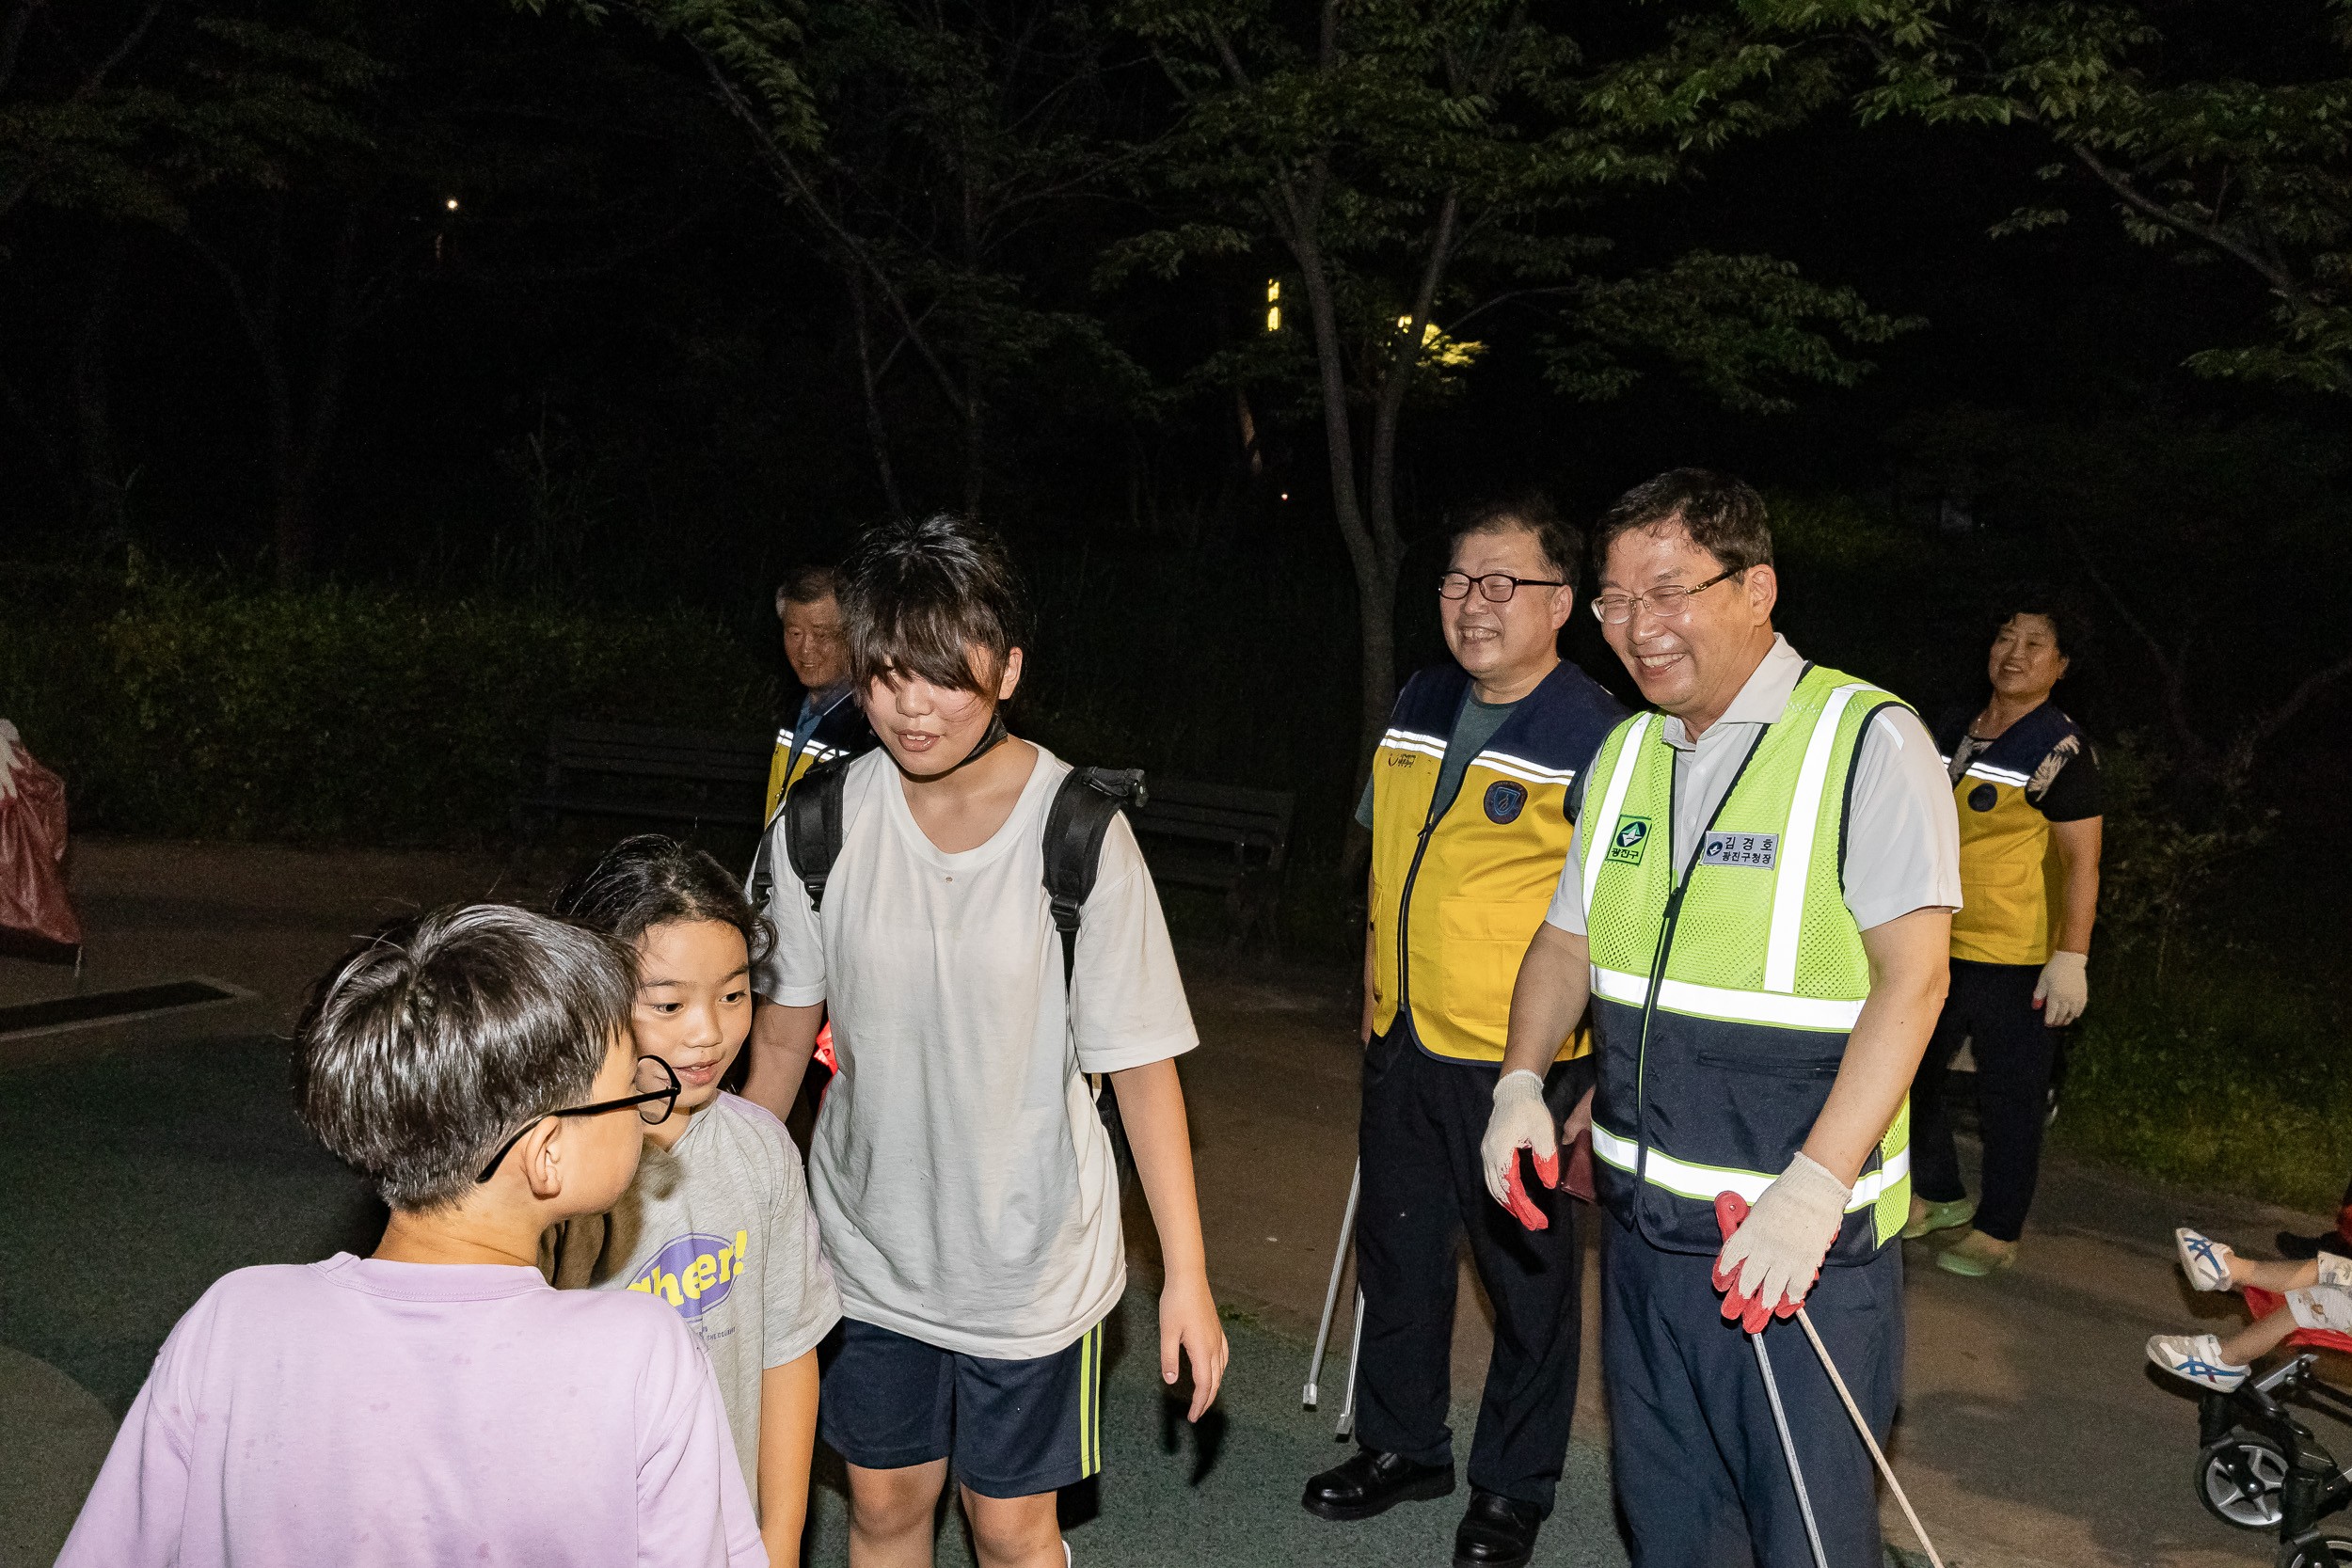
1757 908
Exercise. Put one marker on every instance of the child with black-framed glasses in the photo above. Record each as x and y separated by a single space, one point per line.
439 1402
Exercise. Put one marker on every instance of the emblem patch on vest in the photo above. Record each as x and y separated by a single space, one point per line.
1632 832
1984 797
1504 800
1756 850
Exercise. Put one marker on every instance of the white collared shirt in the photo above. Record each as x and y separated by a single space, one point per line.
1903 834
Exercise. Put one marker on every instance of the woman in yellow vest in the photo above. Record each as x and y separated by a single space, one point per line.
2026 782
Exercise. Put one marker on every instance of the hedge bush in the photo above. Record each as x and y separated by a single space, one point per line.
187 708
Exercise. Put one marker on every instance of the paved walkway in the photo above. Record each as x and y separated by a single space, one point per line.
2032 1432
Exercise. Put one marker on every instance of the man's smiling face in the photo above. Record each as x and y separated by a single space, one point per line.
1693 663
1507 644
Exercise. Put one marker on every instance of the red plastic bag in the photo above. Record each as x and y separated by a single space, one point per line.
32 847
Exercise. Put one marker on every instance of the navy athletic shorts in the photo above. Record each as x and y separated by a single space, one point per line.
1013 1429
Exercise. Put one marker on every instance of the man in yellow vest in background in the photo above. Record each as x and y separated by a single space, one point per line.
1467 808
828 722
1757 908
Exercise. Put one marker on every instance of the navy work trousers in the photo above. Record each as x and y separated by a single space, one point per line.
1425 1186
1990 1006
1700 1473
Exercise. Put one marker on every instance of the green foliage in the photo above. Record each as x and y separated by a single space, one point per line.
1736 325
2225 1071
2157 871
230 101
917 149
2257 172
1449 160
187 708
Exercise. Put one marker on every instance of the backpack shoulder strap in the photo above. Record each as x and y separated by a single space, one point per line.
1075 827
812 825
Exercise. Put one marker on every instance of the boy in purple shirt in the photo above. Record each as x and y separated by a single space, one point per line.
439 1402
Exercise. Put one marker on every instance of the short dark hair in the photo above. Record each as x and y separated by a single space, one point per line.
1722 516
2064 620
807 585
919 596
428 1044
651 879
1530 511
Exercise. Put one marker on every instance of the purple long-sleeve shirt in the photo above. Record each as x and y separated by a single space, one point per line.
354 1413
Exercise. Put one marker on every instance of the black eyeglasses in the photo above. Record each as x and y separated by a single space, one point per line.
1497 586
656 1095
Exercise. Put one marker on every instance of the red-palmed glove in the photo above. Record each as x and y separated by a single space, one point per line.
1521 1120
1769 1264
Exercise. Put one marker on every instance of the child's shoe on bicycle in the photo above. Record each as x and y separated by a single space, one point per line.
2196 1357
1926 1216
2205 1260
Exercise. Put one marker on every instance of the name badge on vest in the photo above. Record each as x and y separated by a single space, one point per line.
1756 849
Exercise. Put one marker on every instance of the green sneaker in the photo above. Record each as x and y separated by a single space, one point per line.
1977 1255
1926 1216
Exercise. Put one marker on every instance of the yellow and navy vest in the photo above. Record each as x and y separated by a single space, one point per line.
841 729
2010 876
1459 886
1724 998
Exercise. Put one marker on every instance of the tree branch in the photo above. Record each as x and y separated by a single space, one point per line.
2174 704
784 164
1402 364
2279 717
2213 234
97 78
12 39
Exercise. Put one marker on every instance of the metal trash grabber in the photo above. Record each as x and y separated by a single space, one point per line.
1330 1303
1730 1211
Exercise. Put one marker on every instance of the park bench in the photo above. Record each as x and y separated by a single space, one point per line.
1220 836
695 776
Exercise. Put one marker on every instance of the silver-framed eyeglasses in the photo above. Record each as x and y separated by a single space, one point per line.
1497 586
1615 609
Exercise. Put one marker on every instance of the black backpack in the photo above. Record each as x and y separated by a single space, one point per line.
1074 826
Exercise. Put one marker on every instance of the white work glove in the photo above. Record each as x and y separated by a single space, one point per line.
2064 987
1769 1263
1521 1120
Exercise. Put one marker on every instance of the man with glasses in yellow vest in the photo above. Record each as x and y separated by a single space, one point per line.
1468 811
1758 909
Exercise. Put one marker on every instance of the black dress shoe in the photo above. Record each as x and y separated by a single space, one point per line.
2300 1248
1373 1483
1496 1532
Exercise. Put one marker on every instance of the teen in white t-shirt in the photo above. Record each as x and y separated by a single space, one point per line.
963 1184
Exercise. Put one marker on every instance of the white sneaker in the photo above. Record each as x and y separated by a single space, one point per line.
2205 1260
2198 1359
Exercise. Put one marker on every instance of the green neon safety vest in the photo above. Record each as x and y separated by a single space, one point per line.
1723 1001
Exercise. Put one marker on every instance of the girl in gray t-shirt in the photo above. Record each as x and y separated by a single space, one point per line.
717 1222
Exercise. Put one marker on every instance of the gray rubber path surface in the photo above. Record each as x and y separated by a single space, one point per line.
141 1160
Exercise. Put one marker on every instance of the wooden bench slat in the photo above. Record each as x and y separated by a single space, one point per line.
720 774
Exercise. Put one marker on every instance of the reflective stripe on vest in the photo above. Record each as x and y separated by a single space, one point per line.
1736 1006
1459 887
2013 881
1700 1183
1725 995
